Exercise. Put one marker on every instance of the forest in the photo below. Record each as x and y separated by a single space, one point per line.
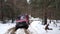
10 9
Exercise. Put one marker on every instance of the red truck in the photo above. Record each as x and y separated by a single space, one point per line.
22 21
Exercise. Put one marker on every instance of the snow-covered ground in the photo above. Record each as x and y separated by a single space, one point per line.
35 27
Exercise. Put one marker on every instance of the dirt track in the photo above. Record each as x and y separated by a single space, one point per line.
12 31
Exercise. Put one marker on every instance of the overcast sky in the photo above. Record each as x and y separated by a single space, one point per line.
28 1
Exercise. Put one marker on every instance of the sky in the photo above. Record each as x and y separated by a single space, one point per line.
28 1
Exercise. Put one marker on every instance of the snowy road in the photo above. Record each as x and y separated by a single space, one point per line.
34 28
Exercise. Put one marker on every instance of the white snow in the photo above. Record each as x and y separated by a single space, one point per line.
35 27
5 27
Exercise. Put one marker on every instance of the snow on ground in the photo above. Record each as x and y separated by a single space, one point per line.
35 28
5 27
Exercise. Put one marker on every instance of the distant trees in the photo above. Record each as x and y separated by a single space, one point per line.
8 11
47 8
43 9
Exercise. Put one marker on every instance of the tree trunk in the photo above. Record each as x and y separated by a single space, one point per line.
45 11
2 10
45 19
